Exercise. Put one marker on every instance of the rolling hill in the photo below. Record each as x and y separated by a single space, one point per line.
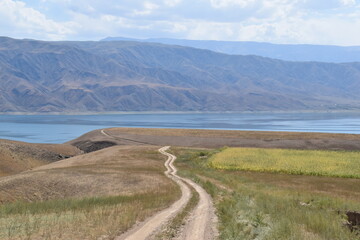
39 76
16 157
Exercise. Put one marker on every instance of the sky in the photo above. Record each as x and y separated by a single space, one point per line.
330 22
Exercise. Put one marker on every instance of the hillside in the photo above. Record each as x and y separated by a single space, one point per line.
16 157
38 76
287 52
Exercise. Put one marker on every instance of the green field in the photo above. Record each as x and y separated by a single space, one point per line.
264 205
301 162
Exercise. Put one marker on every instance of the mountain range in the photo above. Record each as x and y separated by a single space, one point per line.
287 52
41 76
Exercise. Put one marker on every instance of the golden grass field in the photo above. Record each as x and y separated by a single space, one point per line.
302 162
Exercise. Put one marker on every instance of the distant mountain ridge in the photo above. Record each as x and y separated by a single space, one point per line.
40 76
287 52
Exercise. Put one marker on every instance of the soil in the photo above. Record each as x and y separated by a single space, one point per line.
354 220
92 146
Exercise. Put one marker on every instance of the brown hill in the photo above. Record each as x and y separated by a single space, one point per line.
118 170
17 157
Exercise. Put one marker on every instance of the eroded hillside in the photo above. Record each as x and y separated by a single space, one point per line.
38 76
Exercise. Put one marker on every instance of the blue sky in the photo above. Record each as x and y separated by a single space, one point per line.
335 22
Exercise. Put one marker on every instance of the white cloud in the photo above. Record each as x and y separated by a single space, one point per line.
15 15
172 3
348 2
230 3
280 21
148 8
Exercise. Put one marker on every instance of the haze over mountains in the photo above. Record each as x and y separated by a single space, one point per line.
39 76
287 52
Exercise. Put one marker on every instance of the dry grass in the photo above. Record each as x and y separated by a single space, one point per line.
99 194
221 138
264 135
121 170
341 188
16 156
301 162
87 218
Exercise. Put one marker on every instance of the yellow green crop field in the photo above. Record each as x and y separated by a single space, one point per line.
301 162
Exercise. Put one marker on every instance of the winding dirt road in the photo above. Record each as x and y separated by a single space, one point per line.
202 222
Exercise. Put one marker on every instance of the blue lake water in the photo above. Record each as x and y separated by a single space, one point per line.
62 128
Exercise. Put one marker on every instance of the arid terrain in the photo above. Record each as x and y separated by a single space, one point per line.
111 182
217 138
82 76
109 172
105 192
20 156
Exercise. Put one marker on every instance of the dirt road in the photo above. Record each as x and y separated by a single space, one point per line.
202 222
154 223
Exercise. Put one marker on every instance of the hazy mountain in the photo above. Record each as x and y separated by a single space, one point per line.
288 52
136 76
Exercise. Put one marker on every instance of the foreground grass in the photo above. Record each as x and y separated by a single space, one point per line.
88 218
92 196
251 208
303 162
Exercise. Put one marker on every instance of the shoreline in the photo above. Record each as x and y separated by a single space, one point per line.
181 112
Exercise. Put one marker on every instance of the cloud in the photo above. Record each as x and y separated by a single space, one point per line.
148 8
348 2
280 21
16 18
172 3
231 3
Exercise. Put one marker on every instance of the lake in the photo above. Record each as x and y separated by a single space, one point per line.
62 128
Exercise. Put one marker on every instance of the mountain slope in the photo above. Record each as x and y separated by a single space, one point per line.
288 52
39 76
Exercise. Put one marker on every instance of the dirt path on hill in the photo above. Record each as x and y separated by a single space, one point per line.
149 227
200 225
202 221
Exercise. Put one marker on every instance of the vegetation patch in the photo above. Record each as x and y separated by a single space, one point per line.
87 218
302 162
251 207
